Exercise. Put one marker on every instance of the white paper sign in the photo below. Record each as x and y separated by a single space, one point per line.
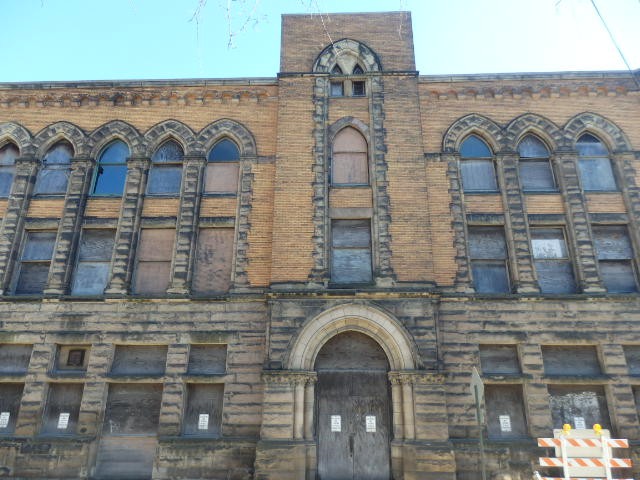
370 423
203 421
505 423
63 421
578 422
336 423
4 419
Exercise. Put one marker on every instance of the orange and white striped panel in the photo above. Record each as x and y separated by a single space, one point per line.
586 462
584 442
580 478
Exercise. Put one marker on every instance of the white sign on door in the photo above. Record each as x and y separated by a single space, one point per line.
4 419
505 423
336 423
63 421
578 422
203 421
370 423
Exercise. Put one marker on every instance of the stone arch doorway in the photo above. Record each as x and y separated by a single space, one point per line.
353 409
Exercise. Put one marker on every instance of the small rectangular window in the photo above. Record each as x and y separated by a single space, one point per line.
94 259
72 359
578 405
207 359
537 175
10 396
351 251
14 358
35 262
499 359
488 254
337 89
478 176
139 360
203 412
597 174
153 269
505 411
358 88
551 259
63 408
213 261
632 356
615 258
570 360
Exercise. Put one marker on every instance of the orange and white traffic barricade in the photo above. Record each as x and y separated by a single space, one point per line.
583 454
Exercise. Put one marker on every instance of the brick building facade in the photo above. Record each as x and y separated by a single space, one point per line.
293 277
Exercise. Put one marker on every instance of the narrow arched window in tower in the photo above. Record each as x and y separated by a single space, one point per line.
223 168
166 169
477 168
112 169
56 165
349 162
596 171
536 174
8 154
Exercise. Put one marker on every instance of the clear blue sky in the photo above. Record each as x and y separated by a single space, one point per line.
46 40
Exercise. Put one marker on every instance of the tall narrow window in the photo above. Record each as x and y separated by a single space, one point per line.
214 255
112 169
56 165
596 171
63 408
223 168
154 261
552 262
10 395
8 154
351 251
35 262
166 169
350 165
536 174
488 254
615 258
477 168
94 258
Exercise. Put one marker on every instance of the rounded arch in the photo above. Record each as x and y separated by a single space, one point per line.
604 129
225 127
16 133
170 129
373 322
532 124
345 122
52 134
347 53
474 123
117 129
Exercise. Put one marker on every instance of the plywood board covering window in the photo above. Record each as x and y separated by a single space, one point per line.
578 404
505 411
499 359
207 359
203 412
139 360
153 268
14 358
10 395
632 356
351 251
571 360
94 258
56 166
63 408
213 261
35 262
350 165
132 408
223 168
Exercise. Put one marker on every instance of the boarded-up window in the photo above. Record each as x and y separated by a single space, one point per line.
10 395
132 408
94 258
166 169
111 171
351 251
63 407
153 269
350 164
223 168
578 405
213 260
126 458
14 359
505 411
570 360
72 359
35 262
551 259
476 166
499 359
203 412
207 359
488 255
596 171
54 174
615 258
139 360
632 355
8 154
536 174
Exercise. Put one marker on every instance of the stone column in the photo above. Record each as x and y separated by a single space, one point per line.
298 407
70 225
535 390
35 389
624 162
95 389
128 226
173 392
309 405
13 220
240 275
396 402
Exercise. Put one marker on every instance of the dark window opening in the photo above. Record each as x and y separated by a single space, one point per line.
596 170
357 70
94 259
112 169
56 166
35 262
536 174
477 167
351 251
488 255
8 154
551 259
358 88
615 258
166 169
337 89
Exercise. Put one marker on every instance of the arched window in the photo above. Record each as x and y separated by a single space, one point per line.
357 70
536 174
56 165
166 169
336 70
223 168
477 168
349 162
112 169
596 171
8 154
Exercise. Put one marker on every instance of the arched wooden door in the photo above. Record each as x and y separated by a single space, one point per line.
353 409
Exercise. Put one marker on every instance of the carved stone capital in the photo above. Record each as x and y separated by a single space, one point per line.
290 377
416 378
